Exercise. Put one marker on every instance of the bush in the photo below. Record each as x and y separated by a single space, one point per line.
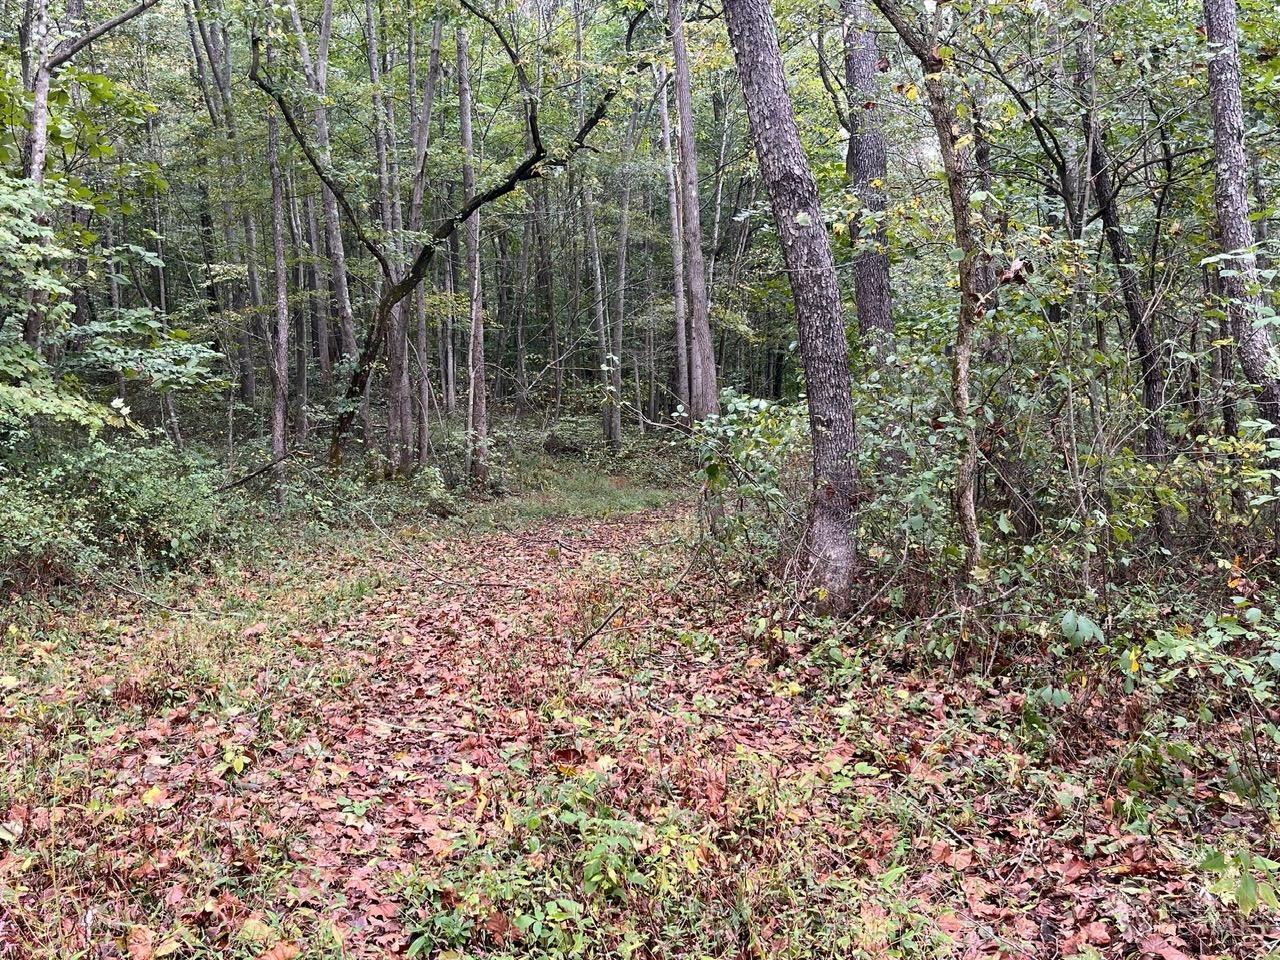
753 460
74 511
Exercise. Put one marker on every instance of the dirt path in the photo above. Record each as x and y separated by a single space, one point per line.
311 762
563 740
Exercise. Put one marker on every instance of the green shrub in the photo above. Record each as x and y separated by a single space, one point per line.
74 511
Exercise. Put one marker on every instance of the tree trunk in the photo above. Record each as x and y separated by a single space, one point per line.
477 414
279 367
598 297
614 431
866 168
946 123
815 289
703 393
321 331
677 250
1136 308
422 139
306 312
317 74
1241 284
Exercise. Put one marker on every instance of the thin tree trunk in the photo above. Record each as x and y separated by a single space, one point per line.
422 140
317 75
321 331
677 250
946 123
306 314
279 367
703 393
614 431
867 169
1136 308
477 414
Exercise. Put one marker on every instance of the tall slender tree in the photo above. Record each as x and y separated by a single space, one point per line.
681 375
952 152
477 399
703 393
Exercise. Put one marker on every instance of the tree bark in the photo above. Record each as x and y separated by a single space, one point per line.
1241 285
477 414
422 139
815 290
614 431
317 75
279 366
677 250
866 168
946 123
703 393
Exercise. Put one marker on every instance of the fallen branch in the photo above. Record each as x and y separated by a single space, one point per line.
261 470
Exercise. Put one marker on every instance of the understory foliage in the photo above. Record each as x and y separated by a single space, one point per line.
103 510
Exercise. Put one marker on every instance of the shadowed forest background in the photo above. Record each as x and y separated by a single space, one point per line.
596 478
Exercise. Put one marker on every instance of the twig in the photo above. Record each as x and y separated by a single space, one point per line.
596 632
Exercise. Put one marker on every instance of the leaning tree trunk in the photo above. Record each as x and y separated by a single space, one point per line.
1136 309
815 289
1240 285
703 395
477 414
866 169
946 124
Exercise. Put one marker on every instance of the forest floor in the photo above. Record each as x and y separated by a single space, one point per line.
544 733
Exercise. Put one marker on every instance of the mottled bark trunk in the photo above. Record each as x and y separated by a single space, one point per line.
614 431
305 313
1241 285
422 139
321 330
317 74
946 123
546 287
866 167
599 313
279 355
815 290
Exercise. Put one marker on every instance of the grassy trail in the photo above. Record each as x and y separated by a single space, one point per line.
535 732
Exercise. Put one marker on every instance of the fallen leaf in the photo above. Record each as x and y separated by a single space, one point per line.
1162 948
141 943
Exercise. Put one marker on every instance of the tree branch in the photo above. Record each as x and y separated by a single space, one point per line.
69 48
326 175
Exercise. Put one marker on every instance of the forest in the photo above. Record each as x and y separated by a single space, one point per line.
639 478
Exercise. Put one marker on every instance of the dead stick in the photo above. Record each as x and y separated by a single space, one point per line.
249 476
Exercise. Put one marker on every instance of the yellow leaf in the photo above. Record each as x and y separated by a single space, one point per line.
154 796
